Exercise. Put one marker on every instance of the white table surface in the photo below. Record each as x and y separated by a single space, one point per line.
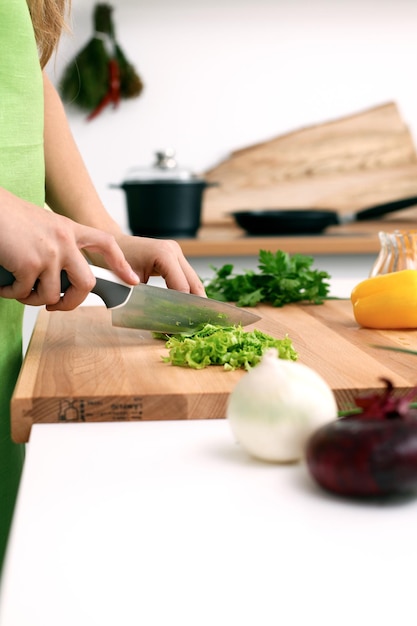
171 523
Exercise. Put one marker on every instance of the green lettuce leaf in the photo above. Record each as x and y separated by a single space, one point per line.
231 347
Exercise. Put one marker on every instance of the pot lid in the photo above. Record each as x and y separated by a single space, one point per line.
165 168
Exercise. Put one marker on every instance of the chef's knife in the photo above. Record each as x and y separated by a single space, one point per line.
155 308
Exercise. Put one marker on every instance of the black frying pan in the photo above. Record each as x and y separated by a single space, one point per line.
310 221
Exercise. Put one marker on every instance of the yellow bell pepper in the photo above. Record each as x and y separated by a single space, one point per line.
387 301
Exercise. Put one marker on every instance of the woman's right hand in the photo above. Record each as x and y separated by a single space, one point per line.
36 244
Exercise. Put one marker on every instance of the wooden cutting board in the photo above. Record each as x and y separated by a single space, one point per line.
345 165
79 368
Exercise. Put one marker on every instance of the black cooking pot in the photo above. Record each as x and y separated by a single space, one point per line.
310 221
164 201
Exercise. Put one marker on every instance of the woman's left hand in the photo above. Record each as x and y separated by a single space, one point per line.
160 257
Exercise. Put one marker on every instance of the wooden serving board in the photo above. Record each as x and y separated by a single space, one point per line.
79 368
345 165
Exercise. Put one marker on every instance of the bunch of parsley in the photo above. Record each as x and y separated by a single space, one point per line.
281 279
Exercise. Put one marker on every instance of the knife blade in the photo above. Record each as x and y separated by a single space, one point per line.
158 309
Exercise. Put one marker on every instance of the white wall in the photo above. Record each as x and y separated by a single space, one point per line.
223 74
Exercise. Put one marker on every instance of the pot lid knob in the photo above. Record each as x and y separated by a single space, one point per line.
165 159
165 168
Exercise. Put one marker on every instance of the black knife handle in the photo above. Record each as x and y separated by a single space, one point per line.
108 287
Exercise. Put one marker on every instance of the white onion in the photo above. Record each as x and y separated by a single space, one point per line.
275 407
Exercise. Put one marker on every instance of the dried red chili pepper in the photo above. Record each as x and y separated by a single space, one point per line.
113 94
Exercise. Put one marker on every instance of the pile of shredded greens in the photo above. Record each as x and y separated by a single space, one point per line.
231 347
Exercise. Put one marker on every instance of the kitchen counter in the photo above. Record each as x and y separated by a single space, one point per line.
357 238
164 523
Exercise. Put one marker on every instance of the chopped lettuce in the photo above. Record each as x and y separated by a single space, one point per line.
231 347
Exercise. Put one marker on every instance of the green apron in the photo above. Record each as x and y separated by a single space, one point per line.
22 173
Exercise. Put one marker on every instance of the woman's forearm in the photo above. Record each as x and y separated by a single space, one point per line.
69 189
71 193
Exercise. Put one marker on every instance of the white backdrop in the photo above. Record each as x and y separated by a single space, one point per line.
223 74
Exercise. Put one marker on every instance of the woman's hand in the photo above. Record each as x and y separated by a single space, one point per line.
37 244
161 257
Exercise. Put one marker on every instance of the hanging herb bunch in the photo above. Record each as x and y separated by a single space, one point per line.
100 75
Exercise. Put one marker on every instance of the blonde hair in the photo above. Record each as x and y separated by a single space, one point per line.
48 18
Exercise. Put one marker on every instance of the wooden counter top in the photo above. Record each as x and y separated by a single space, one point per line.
228 240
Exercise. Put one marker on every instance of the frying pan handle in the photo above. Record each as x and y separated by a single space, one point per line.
387 207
